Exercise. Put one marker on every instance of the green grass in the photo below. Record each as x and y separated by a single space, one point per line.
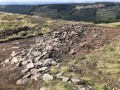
107 60
58 85
98 87
12 21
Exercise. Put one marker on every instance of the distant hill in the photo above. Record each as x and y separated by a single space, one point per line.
93 12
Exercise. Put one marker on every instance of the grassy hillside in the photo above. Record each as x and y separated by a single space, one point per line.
16 26
99 69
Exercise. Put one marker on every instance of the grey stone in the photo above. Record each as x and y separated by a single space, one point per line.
43 88
33 71
59 75
95 35
47 61
25 70
13 53
24 63
39 63
27 75
65 79
37 58
30 65
14 60
42 69
7 61
84 88
72 52
47 77
53 63
83 44
21 81
15 47
36 53
74 80
48 48
35 77
44 53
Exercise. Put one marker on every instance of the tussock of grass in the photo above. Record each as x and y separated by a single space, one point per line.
98 87
55 70
47 27
57 85
12 21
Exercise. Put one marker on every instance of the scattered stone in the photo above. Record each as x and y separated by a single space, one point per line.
72 52
47 77
21 81
47 62
13 53
48 48
37 58
43 88
35 77
42 69
75 80
15 43
24 63
14 60
27 75
59 75
25 70
15 47
95 35
6 61
33 71
36 53
44 53
53 63
85 88
30 65
65 79
82 44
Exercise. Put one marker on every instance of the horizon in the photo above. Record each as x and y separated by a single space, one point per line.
12 2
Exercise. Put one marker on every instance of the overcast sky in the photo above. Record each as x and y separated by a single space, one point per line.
29 1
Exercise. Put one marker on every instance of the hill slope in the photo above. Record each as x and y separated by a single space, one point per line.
71 56
92 12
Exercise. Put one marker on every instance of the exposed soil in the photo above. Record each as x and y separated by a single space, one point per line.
8 75
90 39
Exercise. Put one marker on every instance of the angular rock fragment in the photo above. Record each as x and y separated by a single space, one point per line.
47 77
30 65
14 60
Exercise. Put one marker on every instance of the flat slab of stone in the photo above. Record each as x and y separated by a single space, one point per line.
30 65
47 77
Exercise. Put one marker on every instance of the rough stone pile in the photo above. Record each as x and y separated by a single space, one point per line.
51 49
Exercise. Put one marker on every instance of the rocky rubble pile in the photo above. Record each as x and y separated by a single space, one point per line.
53 49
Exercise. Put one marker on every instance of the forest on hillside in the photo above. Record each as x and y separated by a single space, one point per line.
91 12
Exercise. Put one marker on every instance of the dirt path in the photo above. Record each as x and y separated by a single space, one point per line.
8 75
